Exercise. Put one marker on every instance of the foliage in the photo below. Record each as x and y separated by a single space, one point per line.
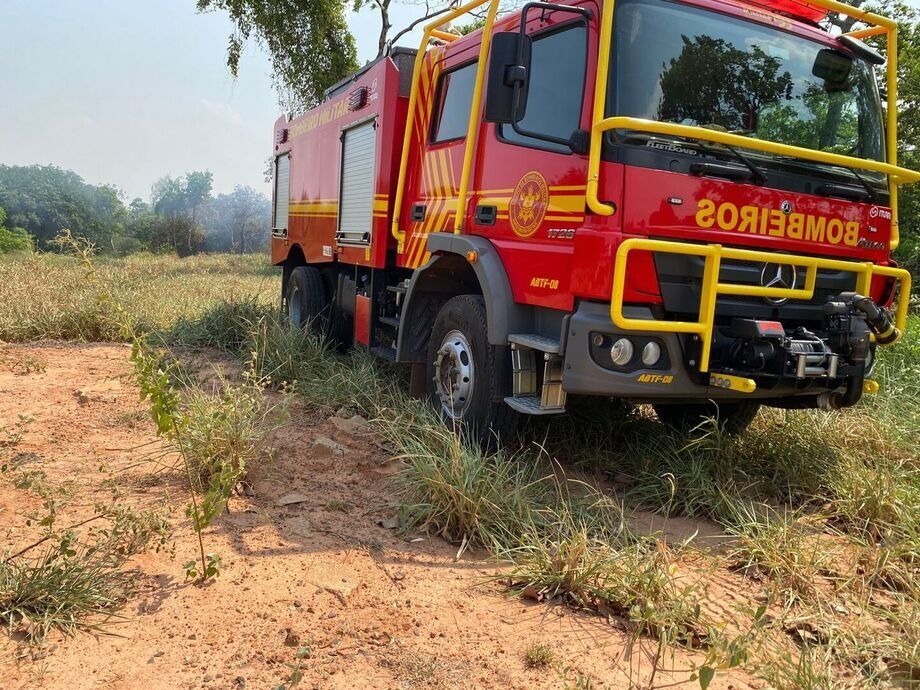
178 201
13 240
220 434
308 41
237 222
77 582
908 18
43 200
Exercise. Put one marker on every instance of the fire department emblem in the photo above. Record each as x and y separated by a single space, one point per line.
528 204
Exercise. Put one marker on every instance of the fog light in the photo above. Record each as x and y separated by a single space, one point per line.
622 351
651 353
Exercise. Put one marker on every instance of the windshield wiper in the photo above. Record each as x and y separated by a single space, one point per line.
871 193
758 175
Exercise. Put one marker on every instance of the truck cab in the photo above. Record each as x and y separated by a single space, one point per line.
685 203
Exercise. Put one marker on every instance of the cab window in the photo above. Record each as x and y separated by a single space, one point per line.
454 98
556 89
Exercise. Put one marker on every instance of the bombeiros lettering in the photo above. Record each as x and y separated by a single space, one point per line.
774 222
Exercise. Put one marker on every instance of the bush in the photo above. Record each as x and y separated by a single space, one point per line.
15 240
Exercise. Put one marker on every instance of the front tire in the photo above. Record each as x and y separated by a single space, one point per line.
732 417
467 377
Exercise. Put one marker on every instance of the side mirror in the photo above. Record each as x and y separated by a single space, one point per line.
509 70
832 67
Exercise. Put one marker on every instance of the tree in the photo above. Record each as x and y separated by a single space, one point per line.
13 240
430 11
177 201
44 199
238 221
908 19
307 40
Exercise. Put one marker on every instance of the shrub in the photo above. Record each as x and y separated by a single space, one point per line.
15 240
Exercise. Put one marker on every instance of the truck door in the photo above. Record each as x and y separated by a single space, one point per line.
445 97
529 194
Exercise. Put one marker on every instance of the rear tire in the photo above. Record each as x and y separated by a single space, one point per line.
732 417
306 300
468 378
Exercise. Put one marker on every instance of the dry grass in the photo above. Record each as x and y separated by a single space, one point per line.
48 296
824 508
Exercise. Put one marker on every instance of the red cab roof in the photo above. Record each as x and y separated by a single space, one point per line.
792 8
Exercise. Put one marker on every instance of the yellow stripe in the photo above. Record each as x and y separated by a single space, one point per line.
445 174
436 171
566 204
315 208
434 225
423 232
430 185
500 203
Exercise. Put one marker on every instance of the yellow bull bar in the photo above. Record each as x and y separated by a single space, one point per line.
712 287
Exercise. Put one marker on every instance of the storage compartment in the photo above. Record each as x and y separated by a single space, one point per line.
356 200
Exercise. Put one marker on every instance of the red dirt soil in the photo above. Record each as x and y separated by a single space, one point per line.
377 609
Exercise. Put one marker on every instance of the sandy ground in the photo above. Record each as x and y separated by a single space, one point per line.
376 608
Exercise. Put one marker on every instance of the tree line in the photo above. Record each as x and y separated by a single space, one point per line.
182 215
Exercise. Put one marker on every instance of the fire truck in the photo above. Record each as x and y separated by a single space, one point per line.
683 203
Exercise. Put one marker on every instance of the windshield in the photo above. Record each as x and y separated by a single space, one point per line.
681 64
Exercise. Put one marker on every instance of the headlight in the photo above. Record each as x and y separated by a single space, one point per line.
651 353
622 352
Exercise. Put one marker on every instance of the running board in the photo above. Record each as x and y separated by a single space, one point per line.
527 399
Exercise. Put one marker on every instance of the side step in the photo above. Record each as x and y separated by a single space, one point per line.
384 352
527 399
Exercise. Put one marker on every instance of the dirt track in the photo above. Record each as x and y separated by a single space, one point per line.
374 607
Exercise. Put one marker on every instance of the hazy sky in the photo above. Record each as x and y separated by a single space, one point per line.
126 91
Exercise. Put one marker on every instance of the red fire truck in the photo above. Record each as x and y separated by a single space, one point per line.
688 203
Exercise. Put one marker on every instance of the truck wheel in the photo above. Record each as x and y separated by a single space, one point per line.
306 299
734 418
467 377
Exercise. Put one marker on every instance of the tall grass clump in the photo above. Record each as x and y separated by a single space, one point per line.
221 433
64 588
76 582
451 487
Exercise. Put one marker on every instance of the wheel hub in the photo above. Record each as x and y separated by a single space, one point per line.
453 374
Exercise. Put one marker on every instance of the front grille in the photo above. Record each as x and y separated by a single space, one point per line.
680 278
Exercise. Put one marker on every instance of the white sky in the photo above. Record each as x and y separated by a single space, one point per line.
126 91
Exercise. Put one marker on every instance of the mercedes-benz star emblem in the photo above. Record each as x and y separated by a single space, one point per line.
786 207
778 276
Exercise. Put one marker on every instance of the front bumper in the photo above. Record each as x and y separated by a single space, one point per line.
675 378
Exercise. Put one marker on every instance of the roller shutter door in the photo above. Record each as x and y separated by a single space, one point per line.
356 203
282 191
